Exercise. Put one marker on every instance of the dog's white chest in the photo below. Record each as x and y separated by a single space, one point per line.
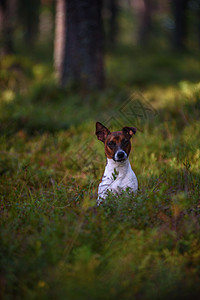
117 177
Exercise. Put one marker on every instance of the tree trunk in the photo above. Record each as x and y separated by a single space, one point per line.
113 25
81 61
29 12
145 22
59 40
198 16
7 17
180 32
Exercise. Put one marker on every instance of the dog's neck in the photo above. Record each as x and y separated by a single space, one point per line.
120 167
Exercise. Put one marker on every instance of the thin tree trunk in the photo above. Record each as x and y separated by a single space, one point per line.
7 18
113 25
198 16
145 22
59 41
82 61
29 11
180 32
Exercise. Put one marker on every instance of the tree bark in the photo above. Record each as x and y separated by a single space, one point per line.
180 32
81 61
145 22
59 40
198 16
7 18
113 24
29 12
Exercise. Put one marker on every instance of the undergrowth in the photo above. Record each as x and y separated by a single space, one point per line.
55 242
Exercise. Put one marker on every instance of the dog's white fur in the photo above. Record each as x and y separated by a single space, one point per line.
117 177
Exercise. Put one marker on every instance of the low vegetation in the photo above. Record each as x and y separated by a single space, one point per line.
55 242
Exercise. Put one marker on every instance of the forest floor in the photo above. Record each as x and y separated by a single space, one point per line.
55 242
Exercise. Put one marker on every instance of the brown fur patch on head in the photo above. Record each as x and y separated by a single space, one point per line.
117 140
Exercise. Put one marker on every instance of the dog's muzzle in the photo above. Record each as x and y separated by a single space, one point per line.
120 155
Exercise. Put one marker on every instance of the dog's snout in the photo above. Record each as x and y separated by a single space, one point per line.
120 155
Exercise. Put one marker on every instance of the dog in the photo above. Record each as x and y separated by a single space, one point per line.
118 174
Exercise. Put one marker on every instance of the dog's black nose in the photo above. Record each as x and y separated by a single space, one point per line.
120 155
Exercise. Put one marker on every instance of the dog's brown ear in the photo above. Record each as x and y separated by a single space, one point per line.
130 131
101 132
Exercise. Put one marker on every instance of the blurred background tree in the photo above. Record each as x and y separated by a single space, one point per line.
145 21
8 19
59 40
180 8
29 17
110 12
79 43
113 21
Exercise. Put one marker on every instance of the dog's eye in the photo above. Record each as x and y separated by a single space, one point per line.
111 144
125 143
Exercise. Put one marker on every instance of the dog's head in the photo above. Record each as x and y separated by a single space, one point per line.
117 144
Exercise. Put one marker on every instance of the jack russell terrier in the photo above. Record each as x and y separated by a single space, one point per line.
118 174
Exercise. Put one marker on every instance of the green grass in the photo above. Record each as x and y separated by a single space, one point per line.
55 242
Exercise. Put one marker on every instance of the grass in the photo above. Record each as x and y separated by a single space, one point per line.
55 242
